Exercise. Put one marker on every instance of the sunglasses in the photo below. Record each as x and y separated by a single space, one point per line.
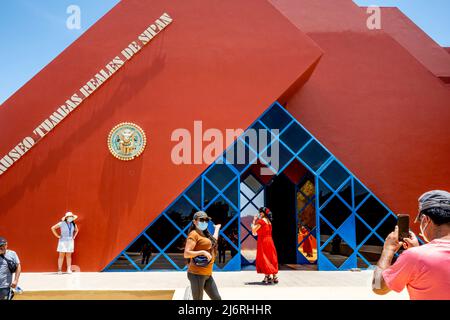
418 217
203 220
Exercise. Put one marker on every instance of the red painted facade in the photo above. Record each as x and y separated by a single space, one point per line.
222 62
373 104
364 94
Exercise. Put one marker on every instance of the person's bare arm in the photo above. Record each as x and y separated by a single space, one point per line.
255 228
390 247
378 284
16 276
56 226
216 231
190 253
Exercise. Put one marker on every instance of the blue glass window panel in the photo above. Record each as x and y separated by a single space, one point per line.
258 201
240 156
220 175
362 232
175 252
264 137
337 251
360 192
276 118
194 193
232 233
244 200
295 137
324 193
325 232
226 247
209 193
161 263
245 190
254 185
371 249
221 211
277 158
122 263
249 210
387 226
138 245
346 192
372 211
232 193
334 175
336 212
141 244
162 231
314 155
361 264
181 212
258 137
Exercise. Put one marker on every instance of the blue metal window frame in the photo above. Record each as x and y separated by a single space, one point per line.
313 232
250 202
323 262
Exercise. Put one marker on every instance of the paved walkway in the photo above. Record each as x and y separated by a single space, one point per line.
245 285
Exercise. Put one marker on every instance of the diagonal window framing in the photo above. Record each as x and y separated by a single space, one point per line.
353 220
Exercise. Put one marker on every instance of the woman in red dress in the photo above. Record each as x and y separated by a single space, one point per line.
307 245
266 254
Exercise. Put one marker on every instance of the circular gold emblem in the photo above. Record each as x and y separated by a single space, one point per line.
126 141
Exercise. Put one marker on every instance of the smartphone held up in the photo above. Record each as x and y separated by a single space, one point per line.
403 226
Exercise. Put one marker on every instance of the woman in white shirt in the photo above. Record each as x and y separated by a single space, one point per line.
66 243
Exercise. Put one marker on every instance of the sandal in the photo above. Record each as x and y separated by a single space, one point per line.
267 280
275 279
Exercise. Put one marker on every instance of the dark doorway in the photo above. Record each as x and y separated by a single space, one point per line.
280 199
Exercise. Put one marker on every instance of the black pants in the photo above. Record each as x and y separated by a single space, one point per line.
222 254
145 258
4 294
200 283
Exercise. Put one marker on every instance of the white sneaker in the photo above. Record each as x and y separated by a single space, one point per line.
59 272
69 271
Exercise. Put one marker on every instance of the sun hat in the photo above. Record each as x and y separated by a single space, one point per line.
69 214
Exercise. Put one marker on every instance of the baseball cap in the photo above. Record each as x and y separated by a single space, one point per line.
435 203
3 241
201 215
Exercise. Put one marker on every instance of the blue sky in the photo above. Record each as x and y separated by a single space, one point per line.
432 16
34 32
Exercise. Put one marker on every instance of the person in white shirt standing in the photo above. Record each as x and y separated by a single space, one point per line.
66 243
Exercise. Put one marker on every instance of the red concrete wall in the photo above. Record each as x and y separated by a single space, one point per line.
416 41
374 105
223 62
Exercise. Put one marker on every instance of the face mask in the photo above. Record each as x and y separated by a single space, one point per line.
202 225
422 231
69 220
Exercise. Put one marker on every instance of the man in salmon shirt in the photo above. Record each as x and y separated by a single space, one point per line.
424 270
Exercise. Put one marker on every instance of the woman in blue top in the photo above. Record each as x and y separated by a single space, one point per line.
66 243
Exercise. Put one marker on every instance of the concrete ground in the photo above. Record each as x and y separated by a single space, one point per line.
244 285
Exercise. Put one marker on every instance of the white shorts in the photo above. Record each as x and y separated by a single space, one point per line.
66 246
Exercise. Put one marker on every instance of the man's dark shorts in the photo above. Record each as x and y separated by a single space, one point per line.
4 294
